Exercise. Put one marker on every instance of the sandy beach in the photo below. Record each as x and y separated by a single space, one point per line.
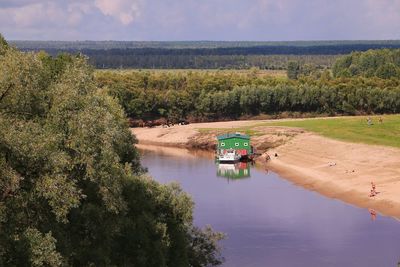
336 169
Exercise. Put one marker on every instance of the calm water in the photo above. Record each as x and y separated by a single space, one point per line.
271 222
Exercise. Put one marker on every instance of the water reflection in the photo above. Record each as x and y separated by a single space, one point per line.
235 171
373 214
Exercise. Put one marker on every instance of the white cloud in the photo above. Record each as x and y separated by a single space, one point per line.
126 11
40 13
27 15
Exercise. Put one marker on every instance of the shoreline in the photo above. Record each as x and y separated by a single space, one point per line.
335 169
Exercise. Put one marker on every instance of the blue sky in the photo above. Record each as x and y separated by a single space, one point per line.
258 20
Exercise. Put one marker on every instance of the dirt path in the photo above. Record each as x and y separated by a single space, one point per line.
334 168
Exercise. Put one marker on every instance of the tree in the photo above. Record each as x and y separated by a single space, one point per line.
293 70
72 190
3 45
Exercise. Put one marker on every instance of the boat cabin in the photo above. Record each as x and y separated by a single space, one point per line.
236 141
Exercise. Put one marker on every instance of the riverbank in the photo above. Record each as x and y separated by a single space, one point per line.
336 169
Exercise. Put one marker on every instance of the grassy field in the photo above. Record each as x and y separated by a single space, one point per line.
353 129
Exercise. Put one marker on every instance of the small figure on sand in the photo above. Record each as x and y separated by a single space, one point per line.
373 190
373 185
373 193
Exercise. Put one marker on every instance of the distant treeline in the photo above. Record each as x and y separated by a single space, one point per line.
199 96
202 55
382 63
272 62
105 45
229 51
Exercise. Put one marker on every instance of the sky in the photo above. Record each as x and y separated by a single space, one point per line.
178 20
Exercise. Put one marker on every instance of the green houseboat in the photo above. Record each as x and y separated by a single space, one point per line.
236 141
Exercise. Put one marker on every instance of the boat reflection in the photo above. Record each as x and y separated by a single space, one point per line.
235 171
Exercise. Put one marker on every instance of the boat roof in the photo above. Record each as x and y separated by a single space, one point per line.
233 135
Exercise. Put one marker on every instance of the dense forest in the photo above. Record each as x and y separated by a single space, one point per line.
206 55
72 190
220 95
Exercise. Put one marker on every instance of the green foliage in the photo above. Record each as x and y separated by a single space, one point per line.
177 95
202 96
42 248
72 190
293 70
3 45
383 63
296 70
3 41
204 245
387 71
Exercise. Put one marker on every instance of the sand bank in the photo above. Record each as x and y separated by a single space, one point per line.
333 168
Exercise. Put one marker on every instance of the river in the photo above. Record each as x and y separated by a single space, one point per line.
271 222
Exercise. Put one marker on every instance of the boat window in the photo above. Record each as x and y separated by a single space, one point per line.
236 144
222 144
246 144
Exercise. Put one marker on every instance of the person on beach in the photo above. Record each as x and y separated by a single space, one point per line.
373 193
373 190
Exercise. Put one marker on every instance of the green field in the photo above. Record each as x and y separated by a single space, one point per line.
353 129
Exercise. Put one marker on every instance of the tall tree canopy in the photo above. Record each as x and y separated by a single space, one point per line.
72 190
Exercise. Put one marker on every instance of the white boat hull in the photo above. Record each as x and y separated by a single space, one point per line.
229 157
